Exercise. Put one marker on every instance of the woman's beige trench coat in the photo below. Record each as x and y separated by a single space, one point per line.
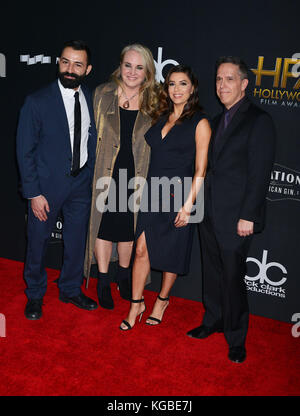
107 118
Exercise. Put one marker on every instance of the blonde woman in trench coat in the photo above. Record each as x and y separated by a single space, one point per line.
123 109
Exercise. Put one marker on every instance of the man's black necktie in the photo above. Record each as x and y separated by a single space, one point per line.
226 119
77 135
220 133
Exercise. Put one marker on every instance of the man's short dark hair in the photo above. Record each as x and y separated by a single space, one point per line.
78 45
235 60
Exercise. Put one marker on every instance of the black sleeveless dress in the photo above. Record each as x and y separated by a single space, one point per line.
173 157
119 226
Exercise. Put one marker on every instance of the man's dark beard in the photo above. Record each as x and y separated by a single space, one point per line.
70 83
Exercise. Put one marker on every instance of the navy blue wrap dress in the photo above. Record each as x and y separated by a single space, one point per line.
172 157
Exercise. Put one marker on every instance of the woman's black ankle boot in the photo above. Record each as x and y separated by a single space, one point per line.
123 279
104 292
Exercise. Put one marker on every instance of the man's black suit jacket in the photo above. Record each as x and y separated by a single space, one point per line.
239 174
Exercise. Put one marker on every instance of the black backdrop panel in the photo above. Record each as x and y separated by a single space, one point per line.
190 32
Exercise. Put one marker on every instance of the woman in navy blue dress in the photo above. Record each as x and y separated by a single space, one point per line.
179 140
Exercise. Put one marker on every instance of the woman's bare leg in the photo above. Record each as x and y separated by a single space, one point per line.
160 305
124 252
140 271
103 250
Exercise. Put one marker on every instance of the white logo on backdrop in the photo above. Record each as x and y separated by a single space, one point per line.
2 65
159 65
35 59
56 234
42 59
284 184
261 283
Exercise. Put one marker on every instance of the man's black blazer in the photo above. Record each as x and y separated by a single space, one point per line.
238 175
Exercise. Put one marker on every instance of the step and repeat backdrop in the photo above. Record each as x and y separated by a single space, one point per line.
264 33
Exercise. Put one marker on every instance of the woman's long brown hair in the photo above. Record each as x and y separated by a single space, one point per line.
166 106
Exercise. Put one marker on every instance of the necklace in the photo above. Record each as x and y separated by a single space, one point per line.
126 102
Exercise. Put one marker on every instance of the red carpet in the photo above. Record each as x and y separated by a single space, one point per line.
73 352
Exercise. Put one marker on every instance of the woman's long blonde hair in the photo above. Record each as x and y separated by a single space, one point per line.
149 90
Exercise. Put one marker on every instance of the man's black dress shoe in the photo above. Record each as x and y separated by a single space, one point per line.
237 354
203 331
33 309
81 301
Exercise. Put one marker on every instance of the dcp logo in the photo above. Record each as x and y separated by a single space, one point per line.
42 59
263 267
159 65
2 65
